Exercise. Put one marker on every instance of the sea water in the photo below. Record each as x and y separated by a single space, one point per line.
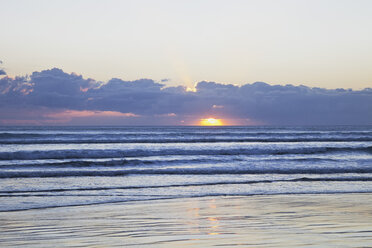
44 167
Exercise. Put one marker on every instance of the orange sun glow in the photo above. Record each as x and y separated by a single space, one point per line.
211 122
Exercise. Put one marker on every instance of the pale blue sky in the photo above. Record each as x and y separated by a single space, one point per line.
316 43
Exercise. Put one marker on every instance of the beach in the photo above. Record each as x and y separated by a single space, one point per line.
311 220
186 124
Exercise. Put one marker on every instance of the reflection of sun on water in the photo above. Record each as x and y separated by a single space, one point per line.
214 226
211 122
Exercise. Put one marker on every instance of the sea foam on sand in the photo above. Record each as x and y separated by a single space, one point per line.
327 220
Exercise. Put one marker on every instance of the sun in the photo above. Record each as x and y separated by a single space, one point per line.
211 122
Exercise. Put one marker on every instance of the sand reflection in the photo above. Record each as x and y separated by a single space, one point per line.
338 220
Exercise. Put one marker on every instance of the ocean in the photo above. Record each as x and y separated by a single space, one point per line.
48 167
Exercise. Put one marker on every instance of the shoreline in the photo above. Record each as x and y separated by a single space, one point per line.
179 198
291 220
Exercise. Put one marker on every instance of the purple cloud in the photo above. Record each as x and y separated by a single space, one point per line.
53 96
2 72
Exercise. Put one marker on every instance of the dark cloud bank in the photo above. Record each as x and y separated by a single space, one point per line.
55 97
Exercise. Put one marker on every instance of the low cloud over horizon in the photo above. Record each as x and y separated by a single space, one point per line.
53 97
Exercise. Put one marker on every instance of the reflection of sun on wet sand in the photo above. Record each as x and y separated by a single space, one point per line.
267 221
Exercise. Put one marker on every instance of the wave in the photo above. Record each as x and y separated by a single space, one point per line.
91 153
115 163
147 162
302 179
205 195
183 171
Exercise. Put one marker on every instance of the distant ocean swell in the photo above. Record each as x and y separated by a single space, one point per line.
179 136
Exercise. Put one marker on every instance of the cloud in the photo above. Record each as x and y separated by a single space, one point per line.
2 72
66 116
167 115
217 106
53 97
87 113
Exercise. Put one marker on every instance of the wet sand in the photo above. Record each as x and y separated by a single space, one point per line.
329 220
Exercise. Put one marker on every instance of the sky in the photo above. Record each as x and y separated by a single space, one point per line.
177 62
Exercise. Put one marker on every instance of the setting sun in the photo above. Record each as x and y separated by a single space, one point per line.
211 122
